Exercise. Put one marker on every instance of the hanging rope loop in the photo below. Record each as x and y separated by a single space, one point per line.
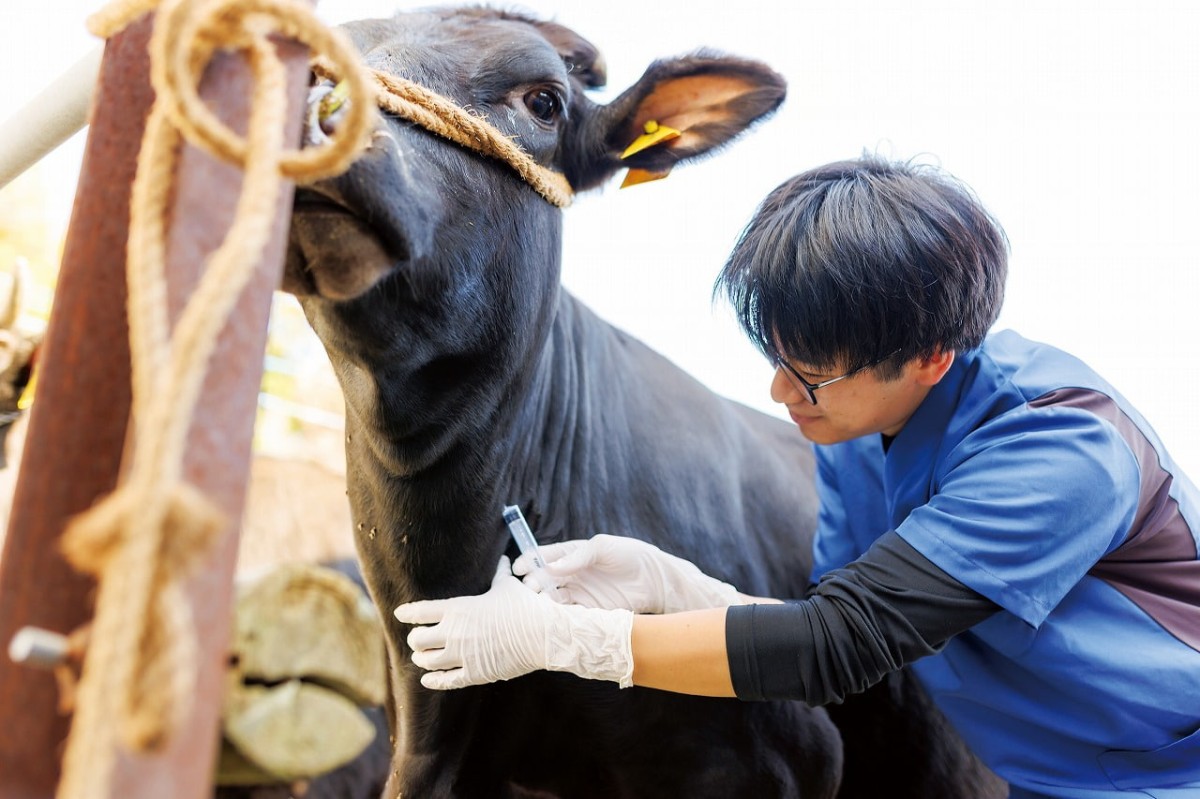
231 23
187 34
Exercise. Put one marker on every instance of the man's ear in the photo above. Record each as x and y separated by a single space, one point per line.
929 371
679 110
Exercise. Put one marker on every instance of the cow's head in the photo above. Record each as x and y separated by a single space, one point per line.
415 200
429 271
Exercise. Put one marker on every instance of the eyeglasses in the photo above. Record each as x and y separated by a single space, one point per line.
809 389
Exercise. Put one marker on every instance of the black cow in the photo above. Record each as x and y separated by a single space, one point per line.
473 380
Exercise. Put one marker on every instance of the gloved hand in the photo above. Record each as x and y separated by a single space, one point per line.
510 631
609 571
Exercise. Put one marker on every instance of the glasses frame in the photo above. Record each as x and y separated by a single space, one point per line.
809 389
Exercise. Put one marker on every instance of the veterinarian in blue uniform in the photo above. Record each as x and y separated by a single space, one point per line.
992 512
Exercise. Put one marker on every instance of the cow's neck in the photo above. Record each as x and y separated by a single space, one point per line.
438 528
555 464
429 443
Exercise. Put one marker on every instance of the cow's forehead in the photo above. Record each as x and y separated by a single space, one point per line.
452 52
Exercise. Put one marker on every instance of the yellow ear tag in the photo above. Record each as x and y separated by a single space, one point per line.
334 100
636 176
654 134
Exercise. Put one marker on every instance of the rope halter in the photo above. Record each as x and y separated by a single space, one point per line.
441 116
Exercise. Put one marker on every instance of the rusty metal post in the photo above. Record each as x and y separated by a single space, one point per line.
78 424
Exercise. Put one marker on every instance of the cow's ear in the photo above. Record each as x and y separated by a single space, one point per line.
583 60
681 109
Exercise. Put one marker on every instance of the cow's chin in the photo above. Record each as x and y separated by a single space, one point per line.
333 253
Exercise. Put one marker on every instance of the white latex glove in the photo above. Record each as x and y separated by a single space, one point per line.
510 631
609 571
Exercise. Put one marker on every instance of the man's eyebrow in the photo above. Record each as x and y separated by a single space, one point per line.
807 376
816 377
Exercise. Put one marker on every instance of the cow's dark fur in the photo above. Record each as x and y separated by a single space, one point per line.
472 380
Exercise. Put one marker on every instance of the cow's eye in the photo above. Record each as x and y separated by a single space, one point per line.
544 104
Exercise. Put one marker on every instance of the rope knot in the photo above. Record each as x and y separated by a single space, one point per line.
155 679
189 526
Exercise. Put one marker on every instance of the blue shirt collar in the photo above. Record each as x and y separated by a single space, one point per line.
908 464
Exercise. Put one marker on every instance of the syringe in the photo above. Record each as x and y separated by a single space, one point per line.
521 533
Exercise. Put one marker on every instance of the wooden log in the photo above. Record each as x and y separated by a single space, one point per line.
307 622
307 654
290 731
78 427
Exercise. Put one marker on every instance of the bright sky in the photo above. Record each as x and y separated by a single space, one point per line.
1075 121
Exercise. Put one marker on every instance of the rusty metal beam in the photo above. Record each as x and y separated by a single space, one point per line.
79 422
77 426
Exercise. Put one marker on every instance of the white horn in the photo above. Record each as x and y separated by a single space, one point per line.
12 303
49 119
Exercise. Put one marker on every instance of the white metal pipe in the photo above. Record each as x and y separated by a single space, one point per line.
50 118
42 649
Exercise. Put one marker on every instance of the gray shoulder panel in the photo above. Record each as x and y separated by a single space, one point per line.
1156 567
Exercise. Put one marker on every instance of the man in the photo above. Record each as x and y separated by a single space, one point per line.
992 511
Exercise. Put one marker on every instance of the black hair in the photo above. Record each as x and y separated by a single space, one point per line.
867 262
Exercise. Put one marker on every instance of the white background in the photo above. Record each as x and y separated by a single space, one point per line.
1076 123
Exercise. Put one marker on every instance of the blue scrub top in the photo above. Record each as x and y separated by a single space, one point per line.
1028 478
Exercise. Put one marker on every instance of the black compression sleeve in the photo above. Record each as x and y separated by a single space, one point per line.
888 608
